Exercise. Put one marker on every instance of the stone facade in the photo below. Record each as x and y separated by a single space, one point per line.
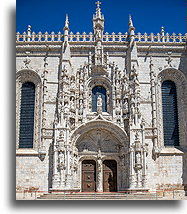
131 67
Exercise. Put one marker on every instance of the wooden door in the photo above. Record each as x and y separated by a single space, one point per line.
88 176
109 176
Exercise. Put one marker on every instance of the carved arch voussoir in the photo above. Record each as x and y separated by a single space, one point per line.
115 130
25 75
99 81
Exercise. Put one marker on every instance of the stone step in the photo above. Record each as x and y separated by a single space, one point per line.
97 196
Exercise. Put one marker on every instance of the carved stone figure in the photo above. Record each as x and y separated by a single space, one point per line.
99 104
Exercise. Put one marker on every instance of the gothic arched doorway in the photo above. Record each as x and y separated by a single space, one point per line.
88 176
109 176
101 144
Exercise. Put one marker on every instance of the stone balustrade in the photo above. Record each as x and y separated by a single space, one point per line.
111 38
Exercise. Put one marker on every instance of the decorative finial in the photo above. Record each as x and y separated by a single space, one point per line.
28 28
29 33
162 34
131 30
131 27
66 27
98 9
98 3
130 21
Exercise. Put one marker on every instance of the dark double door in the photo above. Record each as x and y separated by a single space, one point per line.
89 176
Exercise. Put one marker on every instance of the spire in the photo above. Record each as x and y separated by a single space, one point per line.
98 22
66 27
98 9
131 27
131 30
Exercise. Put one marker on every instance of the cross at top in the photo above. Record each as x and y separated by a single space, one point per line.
98 3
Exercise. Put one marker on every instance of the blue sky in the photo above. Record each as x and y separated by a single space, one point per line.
148 15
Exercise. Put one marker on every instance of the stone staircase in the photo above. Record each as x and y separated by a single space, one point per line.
99 196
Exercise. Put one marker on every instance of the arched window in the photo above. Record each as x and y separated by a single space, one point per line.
27 115
96 91
170 114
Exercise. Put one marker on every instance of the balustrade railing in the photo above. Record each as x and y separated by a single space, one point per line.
110 38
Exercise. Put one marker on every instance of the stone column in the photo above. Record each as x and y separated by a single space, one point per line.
144 179
153 99
132 179
56 178
68 172
99 182
122 169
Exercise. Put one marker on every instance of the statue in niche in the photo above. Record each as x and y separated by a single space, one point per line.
137 138
72 103
98 34
118 108
66 108
138 162
81 87
132 105
81 107
85 148
61 160
138 158
125 105
99 101
119 121
72 123
98 56
134 76
61 135
118 85
72 83
64 72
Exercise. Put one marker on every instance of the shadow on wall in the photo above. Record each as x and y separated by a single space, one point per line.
184 175
50 174
182 67
183 64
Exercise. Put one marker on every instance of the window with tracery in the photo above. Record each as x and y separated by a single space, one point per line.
170 114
